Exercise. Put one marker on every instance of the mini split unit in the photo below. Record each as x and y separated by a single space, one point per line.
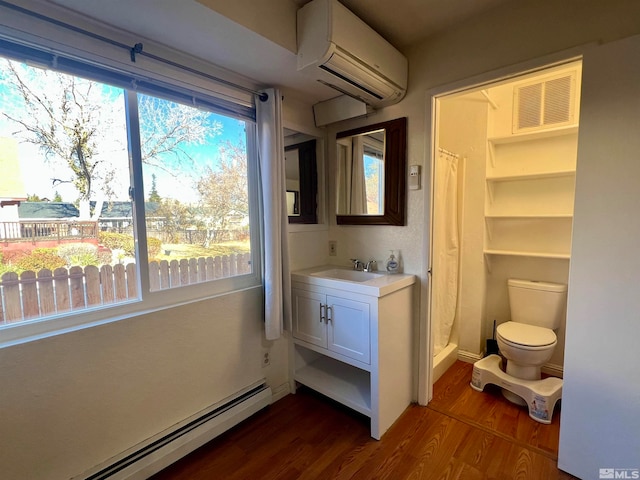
341 51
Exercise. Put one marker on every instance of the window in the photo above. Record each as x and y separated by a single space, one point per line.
194 166
373 158
113 197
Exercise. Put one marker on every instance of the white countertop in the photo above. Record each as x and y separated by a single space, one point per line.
379 286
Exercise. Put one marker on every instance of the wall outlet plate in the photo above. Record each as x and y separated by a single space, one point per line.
333 248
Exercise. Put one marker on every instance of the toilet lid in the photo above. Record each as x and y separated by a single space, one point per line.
526 335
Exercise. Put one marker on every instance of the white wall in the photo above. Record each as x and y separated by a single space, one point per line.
600 421
274 20
72 401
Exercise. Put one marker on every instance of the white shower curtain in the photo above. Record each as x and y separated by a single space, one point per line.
277 283
446 251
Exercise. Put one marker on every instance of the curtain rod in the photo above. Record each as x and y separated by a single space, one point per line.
137 49
447 152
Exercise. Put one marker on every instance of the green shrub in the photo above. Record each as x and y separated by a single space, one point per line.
122 241
4 268
81 254
7 262
154 245
104 257
118 241
40 258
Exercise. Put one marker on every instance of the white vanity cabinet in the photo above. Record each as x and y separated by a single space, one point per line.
353 341
333 322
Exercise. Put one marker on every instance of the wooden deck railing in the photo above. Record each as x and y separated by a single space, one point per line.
26 230
32 295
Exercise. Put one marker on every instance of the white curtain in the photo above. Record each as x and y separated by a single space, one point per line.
277 283
344 178
352 194
358 188
446 251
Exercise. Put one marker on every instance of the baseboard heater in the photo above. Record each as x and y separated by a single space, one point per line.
158 453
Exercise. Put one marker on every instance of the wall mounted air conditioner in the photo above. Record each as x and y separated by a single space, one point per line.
341 51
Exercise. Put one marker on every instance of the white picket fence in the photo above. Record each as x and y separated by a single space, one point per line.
37 294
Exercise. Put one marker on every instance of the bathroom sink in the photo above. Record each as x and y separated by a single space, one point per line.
349 275
377 284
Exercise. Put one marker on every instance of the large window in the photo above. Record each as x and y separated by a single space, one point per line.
196 193
109 195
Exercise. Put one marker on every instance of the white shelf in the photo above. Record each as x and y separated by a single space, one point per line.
530 176
516 253
343 383
523 137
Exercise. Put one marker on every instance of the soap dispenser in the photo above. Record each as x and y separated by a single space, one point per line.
392 263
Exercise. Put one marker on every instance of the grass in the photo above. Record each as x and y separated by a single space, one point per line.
177 251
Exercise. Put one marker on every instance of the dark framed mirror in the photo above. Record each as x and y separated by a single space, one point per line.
302 182
371 174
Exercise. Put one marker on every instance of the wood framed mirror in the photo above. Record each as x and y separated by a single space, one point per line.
302 182
371 174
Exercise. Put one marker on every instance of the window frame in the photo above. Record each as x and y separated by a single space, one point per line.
148 301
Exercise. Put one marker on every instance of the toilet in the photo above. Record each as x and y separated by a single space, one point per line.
528 340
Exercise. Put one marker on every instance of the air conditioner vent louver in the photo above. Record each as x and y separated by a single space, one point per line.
544 104
351 82
529 106
557 100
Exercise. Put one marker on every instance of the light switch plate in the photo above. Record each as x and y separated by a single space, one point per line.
414 177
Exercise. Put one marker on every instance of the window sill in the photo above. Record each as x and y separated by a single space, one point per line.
40 328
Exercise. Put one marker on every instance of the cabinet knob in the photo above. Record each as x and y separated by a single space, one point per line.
321 312
329 313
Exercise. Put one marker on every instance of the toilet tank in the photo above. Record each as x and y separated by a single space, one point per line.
537 303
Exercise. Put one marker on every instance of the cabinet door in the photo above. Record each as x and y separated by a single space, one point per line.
348 328
309 317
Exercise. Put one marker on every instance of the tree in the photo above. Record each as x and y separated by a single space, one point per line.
224 189
372 185
153 194
167 128
73 121
33 198
176 217
57 197
81 124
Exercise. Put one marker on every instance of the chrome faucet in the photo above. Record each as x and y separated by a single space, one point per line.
357 264
370 266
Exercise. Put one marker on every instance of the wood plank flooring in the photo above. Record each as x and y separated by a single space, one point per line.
462 434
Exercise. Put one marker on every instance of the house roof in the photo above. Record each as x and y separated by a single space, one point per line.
124 209
49 210
63 210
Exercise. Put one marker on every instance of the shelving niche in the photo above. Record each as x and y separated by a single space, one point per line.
530 187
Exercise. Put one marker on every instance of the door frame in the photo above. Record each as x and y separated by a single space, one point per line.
425 358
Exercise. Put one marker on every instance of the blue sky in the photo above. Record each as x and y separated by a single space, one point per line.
182 186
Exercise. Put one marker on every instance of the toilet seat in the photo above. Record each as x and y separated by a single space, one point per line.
526 337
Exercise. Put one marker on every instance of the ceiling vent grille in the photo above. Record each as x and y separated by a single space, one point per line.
545 104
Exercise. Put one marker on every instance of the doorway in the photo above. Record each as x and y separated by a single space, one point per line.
503 183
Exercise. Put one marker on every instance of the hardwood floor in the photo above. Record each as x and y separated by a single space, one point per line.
462 434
